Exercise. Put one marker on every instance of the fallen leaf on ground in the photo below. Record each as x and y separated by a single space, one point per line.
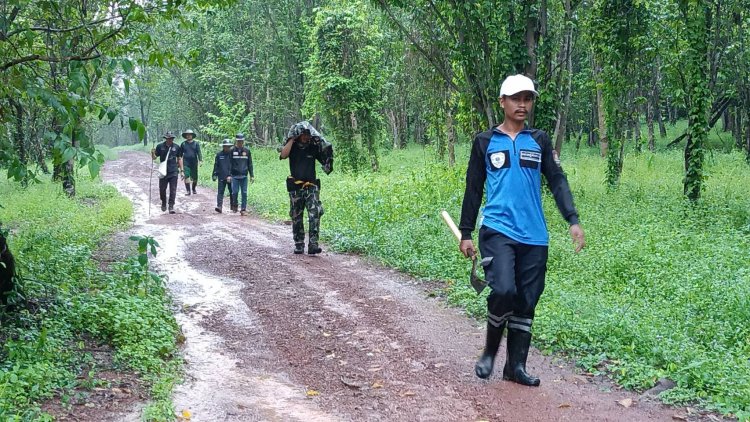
375 369
186 415
352 383
312 393
625 402
564 405
377 384
679 417
408 394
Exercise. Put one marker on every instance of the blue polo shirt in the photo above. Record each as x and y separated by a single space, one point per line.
513 187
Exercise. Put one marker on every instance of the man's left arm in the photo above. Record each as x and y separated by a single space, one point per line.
558 185
198 152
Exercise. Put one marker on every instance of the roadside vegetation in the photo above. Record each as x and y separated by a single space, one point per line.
66 304
662 289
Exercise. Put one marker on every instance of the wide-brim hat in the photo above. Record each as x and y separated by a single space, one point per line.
188 132
168 135
514 84
226 143
239 137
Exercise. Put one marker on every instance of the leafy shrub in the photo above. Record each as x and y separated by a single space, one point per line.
72 299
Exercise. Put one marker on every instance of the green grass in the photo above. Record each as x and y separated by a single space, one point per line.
73 302
662 289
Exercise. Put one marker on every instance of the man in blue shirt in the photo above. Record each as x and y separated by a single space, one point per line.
170 153
223 173
507 163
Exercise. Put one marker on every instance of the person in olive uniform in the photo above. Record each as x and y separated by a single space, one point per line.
192 158
242 167
303 146
171 153
223 172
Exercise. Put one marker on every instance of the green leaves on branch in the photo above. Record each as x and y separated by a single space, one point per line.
345 81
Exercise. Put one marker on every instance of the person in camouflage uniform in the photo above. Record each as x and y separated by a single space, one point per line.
303 146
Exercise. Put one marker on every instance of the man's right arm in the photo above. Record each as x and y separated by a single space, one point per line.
476 173
286 149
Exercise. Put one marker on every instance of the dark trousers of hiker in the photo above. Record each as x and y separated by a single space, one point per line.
223 186
516 277
239 189
191 171
300 199
170 181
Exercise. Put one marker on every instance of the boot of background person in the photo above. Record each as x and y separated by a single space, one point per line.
519 342
233 203
313 249
163 206
194 185
187 188
299 248
486 362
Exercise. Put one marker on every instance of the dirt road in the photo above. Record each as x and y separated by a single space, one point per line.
274 336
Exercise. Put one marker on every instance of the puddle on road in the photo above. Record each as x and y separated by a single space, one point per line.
217 386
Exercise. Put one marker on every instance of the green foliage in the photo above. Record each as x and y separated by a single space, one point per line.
660 291
72 302
232 119
345 81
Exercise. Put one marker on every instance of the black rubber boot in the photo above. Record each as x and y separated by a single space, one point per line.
486 362
194 185
313 249
299 248
187 187
518 351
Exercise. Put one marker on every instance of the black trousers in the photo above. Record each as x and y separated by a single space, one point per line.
516 277
172 182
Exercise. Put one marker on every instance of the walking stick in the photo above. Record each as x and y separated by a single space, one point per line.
150 176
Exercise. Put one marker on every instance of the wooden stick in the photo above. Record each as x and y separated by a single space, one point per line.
449 221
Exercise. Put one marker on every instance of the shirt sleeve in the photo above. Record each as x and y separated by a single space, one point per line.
198 151
476 174
557 182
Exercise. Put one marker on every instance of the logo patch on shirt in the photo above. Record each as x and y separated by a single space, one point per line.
244 153
527 155
499 160
236 153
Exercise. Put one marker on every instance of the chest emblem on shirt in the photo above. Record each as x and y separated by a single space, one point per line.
236 153
498 159
244 153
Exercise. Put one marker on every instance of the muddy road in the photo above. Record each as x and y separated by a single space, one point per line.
273 336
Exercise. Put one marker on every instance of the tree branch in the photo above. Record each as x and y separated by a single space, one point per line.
438 67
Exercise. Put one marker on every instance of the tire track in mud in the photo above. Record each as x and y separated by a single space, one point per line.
276 336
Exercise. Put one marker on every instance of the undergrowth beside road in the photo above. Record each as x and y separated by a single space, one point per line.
72 302
662 289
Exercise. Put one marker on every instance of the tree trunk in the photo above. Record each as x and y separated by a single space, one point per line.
737 127
562 115
602 117
450 128
650 124
394 128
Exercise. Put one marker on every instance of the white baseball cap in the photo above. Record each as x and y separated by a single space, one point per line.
517 83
